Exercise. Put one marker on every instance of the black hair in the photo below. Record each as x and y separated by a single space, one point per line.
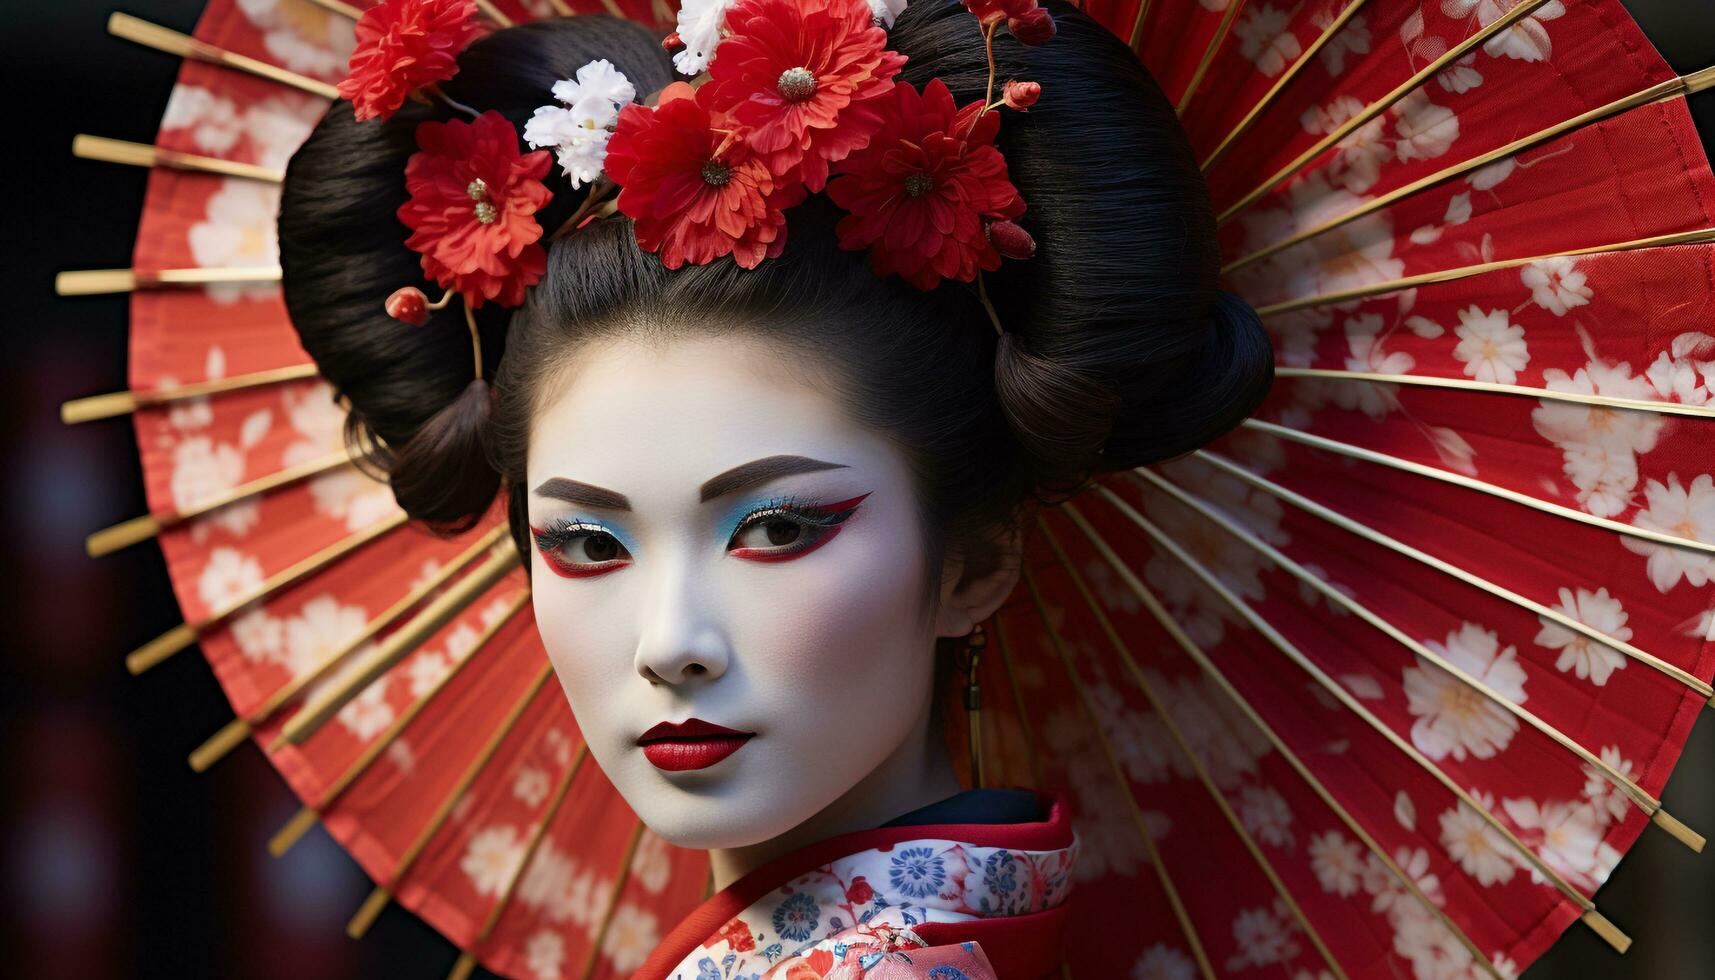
1119 348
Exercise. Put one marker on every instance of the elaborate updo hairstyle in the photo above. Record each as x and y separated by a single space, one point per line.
1119 349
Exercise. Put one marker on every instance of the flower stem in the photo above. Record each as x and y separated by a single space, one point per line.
988 96
983 294
436 91
475 338
592 200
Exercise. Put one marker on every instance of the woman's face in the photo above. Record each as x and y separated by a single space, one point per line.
716 539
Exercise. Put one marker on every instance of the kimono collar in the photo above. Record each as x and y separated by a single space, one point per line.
905 876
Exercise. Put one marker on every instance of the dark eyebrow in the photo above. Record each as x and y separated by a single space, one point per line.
760 470
573 492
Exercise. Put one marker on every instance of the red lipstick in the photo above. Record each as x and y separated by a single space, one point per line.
690 744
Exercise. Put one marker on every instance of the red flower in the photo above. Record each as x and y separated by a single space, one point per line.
807 78
403 45
994 11
860 893
735 932
694 188
919 192
472 207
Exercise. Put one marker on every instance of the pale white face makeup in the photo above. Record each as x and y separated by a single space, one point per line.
817 639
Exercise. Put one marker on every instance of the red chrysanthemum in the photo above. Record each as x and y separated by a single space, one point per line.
920 193
403 45
472 209
693 188
806 78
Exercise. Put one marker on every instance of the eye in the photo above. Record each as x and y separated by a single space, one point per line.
579 549
785 529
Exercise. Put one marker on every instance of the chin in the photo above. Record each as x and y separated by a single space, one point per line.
711 810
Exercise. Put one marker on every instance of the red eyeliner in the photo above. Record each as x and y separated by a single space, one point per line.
563 570
751 554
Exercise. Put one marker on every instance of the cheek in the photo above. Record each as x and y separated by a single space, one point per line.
578 631
843 629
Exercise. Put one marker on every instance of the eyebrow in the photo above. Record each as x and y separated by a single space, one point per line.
759 471
573 492
741 476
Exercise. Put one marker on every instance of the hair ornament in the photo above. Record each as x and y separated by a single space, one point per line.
404 47
578 129
791 97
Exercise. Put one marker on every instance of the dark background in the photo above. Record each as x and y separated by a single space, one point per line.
119 861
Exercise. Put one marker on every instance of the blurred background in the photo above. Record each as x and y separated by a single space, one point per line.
118 860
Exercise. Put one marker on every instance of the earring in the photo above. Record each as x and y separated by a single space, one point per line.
970 663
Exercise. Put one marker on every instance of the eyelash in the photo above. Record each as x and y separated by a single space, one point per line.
825 520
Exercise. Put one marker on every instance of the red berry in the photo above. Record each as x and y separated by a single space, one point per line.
672 42
1022 95
408 304
1033 27
1010 240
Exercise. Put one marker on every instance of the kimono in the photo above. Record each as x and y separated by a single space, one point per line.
970 888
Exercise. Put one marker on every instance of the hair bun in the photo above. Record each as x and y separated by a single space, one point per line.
1204 395
432 473
1060 415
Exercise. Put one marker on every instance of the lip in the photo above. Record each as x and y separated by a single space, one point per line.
690 744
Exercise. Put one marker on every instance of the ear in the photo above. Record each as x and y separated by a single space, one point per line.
970 595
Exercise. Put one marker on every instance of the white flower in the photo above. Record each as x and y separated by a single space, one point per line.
258 635
1568 837
886 12
1600 790
1262 938
1679 379
1354 37
309 40
321 627
1490 346
531 785
229 575
651 866
1389 893
597 80
1264 39
1265 815
1338 862
1421 937
203 469
1359 155
700 23
631 934
461 641
1426 130
237 232
1556 284
1454 718
1163 962
1481 850
1605 479
1461 76
1686 512
491 858
543 953
213 121
427 671
368 714
1583 656
580 130
1526 39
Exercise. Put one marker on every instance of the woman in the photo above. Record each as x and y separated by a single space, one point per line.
770 494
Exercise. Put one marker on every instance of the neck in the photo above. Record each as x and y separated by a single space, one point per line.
917 774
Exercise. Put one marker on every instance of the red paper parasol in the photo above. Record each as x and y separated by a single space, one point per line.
1383 683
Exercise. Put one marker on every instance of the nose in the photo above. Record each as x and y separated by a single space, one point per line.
680 639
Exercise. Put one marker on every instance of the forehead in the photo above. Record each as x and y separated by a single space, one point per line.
632 413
